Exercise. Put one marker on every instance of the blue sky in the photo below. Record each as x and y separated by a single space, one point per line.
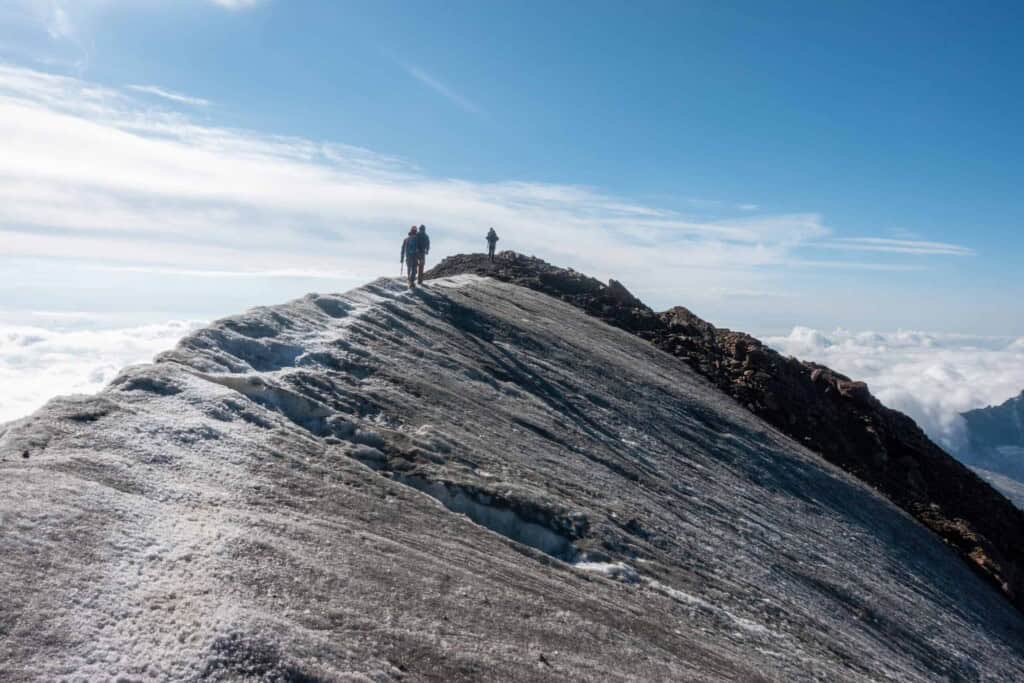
767 164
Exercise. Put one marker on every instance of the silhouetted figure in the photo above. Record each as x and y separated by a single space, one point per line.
423 248
492 239
410 255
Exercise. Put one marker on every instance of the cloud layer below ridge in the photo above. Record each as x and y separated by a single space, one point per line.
930 377
62 354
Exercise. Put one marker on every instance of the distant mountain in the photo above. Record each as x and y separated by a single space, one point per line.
995 438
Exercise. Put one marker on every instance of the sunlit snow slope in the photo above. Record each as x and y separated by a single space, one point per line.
468 482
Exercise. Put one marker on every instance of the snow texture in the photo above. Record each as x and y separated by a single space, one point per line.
471 481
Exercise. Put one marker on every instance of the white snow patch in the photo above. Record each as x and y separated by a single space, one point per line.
614 570
501 520
455 281
624 572
742 623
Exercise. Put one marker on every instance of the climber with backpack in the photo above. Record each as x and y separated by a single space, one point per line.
492 239
410 255
423 248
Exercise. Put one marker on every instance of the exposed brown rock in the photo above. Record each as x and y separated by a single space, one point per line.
828 412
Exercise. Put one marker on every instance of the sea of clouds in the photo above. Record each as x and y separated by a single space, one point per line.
61 354
933 378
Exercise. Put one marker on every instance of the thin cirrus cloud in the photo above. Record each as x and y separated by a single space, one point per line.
897 246
237 4
59 24
442 89
62 20
58 17
169 95
91 173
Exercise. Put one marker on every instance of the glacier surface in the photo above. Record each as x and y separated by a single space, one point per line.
471 481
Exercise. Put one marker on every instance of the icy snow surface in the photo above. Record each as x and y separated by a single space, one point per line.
467 482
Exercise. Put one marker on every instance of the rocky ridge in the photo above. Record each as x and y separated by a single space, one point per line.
831 414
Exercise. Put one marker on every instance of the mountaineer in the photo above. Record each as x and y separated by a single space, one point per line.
492 239
410 255
422 249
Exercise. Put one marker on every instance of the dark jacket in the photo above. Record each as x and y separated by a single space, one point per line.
492 236
410 248
423 243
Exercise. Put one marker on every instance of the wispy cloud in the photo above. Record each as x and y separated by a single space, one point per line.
726 293
90 173
47 32
68 24
216 274
896 246
237 4
441 88
58 22
169 95
855 265
718 204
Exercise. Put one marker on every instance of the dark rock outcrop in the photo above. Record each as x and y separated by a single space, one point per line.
829 413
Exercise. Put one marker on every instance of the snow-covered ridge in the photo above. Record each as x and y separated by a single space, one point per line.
472 481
